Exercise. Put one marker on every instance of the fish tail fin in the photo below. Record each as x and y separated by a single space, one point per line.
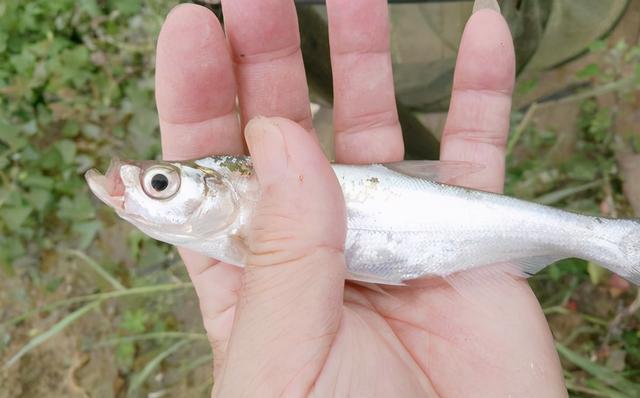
617 247
630 248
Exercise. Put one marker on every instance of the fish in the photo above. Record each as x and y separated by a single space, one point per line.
405 220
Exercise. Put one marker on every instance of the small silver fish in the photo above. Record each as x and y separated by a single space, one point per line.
403 222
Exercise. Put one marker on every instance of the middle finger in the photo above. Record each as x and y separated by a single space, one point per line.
265 46
366 125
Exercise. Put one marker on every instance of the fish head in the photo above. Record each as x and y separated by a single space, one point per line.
170 201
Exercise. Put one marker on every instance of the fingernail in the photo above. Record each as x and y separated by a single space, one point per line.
268 150
486 5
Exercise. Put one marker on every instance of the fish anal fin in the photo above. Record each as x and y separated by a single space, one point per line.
495 283
435 170
363 278
373 283
529 266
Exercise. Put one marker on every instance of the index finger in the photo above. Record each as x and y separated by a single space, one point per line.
265 44
195 86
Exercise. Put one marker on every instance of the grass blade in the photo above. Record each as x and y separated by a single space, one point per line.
194 364
522 126
98 296
556 196
603 374
151 336
97 268
55 329
139 378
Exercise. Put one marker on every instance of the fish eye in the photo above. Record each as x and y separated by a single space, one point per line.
161 182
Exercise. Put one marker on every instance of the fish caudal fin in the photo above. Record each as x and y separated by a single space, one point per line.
616 247
630 248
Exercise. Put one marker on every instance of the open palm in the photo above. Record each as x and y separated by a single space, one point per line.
277 331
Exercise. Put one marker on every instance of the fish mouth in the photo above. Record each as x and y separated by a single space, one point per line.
109 187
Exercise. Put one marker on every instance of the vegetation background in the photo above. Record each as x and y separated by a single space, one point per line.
90 307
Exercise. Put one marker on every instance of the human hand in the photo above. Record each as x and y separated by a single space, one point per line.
287 324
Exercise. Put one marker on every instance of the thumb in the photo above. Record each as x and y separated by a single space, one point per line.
290 302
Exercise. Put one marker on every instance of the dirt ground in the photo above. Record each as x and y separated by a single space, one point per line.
69 365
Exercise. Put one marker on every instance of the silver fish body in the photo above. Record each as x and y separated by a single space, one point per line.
399 226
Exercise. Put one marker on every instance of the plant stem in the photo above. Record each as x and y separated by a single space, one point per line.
98 297
617 85
522 126
152 336
96 267
55 329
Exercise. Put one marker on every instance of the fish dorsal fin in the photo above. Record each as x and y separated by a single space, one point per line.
435 170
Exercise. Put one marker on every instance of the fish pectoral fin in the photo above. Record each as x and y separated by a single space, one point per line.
435 170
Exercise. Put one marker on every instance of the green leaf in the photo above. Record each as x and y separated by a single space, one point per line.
134 321
92 131
143 127
570 266
3 41
67 150
86 232
90 7
597 46
76 58
78 209
631 341
54 284
525 86
51 159
135 240
10 249
555 272
597 274
583 169
125 354
71 129
38 181
10 135
30 127
14 217
152 253
23 62
589 71
127 7
39 198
